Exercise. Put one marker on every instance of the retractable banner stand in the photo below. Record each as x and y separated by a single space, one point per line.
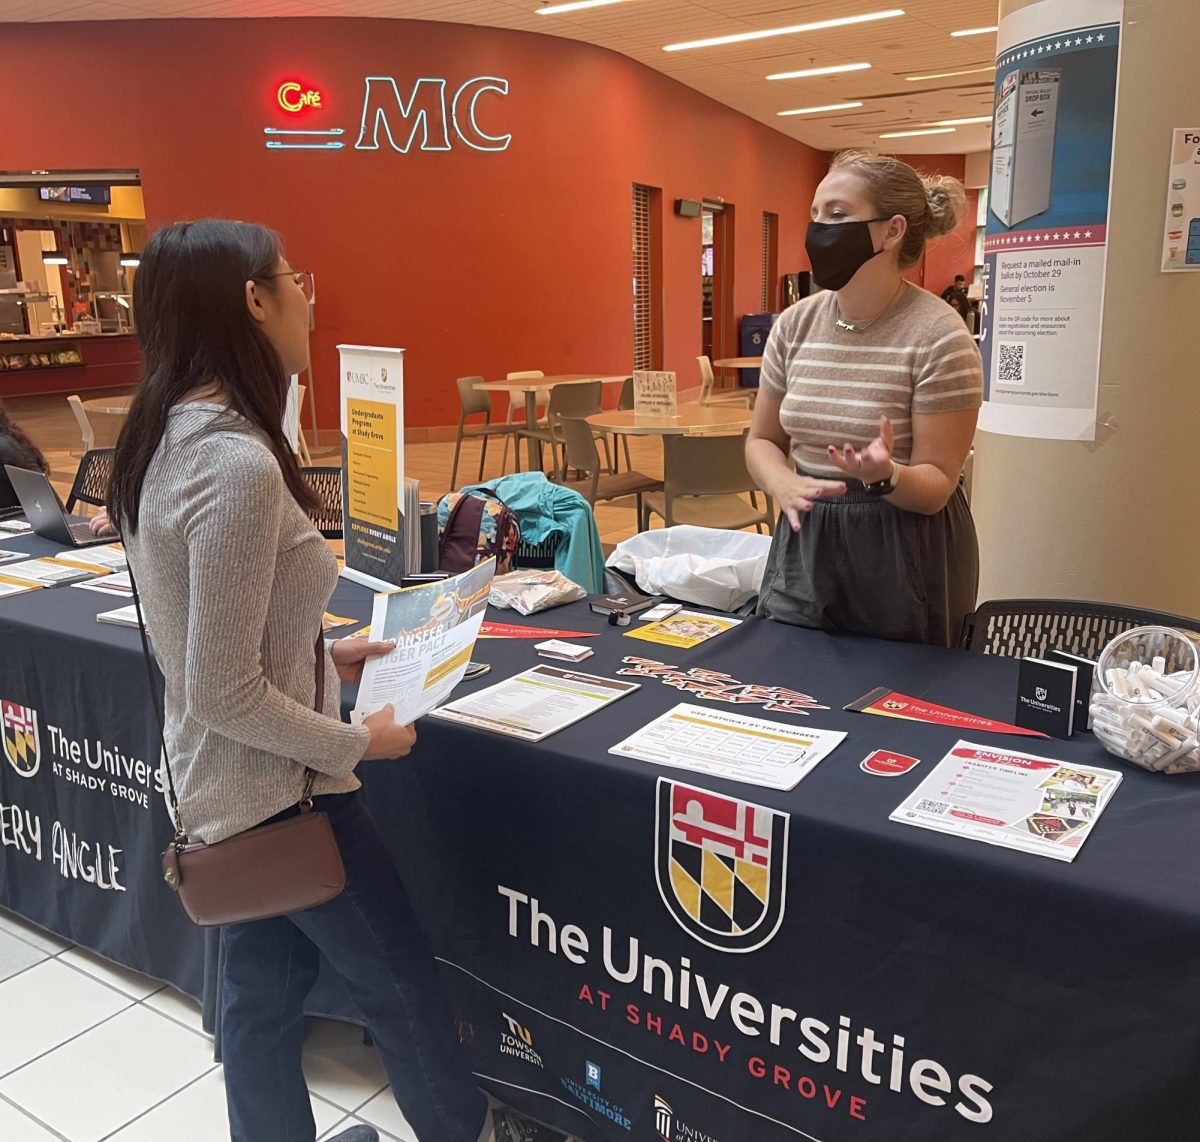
1046 245
373 464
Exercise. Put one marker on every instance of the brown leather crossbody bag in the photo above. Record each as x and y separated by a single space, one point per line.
265 871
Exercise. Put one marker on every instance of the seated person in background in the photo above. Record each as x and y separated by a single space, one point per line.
99 525
18 450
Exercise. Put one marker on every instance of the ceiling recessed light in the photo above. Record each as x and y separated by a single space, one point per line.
791 30
949 74
808 72
961 122
910 134
974 31
574 6
814 110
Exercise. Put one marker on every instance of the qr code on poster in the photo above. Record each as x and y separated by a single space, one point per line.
1012 362
927 806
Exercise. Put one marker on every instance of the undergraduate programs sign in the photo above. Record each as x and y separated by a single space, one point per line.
1046 244
373 463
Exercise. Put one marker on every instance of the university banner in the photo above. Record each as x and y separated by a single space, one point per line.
373 464
83 819
1046 245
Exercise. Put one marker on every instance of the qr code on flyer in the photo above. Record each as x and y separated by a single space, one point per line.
937 807
1012 362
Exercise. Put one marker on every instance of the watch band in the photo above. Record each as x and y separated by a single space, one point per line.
884 487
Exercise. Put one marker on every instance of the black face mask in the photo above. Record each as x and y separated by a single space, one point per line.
838 250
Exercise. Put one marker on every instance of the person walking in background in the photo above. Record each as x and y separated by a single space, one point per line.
866 409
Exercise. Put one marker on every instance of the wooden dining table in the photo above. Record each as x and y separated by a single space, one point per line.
531 386
693 419
738 363
114 406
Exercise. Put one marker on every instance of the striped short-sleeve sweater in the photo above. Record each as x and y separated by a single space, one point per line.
833 384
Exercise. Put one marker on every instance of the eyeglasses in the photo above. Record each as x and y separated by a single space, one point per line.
302 278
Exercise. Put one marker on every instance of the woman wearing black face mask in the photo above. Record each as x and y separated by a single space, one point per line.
866 410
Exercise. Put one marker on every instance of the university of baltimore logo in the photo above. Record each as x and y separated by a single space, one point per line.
721 866
22 745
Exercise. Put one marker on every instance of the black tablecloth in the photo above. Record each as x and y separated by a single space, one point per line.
916 986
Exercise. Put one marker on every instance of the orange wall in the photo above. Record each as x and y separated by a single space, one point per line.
474 262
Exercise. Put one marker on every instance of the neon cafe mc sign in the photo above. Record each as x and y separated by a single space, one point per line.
428 117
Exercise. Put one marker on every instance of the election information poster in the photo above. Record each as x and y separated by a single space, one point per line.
1046 243
373 464
1181 235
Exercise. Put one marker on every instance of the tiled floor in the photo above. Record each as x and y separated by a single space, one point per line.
90 1051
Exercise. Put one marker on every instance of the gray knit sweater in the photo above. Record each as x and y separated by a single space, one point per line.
233 580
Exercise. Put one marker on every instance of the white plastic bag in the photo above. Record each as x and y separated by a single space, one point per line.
529 591
703 565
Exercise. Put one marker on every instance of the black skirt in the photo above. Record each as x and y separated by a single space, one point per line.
860 566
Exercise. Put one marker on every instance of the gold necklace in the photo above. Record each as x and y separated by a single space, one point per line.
859 326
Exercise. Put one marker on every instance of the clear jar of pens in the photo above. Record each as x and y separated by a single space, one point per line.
1145 704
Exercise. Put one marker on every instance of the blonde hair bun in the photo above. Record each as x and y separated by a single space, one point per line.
946 201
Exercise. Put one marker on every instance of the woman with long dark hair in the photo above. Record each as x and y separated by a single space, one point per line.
18 450
233 579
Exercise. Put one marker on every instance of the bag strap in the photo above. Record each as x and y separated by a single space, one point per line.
310 777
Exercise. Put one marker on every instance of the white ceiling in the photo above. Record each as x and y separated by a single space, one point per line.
918 43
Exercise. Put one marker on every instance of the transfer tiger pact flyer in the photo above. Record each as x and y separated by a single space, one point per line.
1014 800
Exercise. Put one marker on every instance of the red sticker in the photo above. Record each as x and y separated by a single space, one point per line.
884 763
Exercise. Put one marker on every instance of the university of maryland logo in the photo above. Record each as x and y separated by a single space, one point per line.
721 866
22 745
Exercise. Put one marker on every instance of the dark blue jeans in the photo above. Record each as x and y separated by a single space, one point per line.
370 936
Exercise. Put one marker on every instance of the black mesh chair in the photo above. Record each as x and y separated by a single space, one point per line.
1027 628
536 556
327 483
92 478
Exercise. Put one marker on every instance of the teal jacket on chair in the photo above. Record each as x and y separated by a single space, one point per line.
545 510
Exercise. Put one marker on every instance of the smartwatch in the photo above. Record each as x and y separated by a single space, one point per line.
884 487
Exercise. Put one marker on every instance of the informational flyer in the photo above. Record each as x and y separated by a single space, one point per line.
373 464
732 746
435 626
1046 244
536 703
685 629
1014 800
102 557
655 393
1181 234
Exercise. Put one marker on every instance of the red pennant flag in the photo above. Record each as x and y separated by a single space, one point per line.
890 704
515 630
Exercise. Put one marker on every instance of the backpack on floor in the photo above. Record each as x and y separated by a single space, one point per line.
474 526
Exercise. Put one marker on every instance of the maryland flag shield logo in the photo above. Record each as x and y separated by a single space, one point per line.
721 866
22 745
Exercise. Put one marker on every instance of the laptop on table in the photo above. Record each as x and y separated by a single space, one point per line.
45 512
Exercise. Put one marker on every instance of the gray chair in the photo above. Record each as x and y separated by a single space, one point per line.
579 443
577 401
704 480
472 401
624 404
516 403
711 395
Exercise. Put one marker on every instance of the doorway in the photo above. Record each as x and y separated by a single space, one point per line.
716 280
